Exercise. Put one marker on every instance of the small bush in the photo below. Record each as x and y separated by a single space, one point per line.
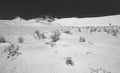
82 39
69 61
114 32
52 44
98 70
21 39
2 40
42 36
67 32
38 35
79 29
12 50
56 36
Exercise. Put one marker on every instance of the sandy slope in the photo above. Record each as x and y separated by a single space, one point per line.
93 21
100 51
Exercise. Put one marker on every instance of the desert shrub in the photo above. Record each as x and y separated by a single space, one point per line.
21 39
56 36
104 29
82 39
52 44
38 35
93 29
111 30
42 35
98 70
12 50
2 40
79 29
67 32
69 61
99 30
49 18
114 34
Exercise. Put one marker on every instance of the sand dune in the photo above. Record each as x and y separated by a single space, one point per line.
97 51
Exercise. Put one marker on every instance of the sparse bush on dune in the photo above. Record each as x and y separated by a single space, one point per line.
2 40
69 61
82 39
67 32
45 18
56 36
79 30
98 70
105 29
93 29
52 44
12 50
43 36
114 30
38 35
21 39
114 33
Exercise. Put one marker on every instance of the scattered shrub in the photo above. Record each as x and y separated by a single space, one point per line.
79 29
56 36
93 29
21 39
82 39
67 32
12 50
69 61
114 34
42 35
52 44
48 18
38 35
99 70
2 40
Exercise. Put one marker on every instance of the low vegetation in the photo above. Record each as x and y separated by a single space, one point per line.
21 39
69 61
82 39
2 40
12 50
79 29
52 44
38 35
67 32
99 70
56 36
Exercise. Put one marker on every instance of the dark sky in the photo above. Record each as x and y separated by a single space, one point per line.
58 8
